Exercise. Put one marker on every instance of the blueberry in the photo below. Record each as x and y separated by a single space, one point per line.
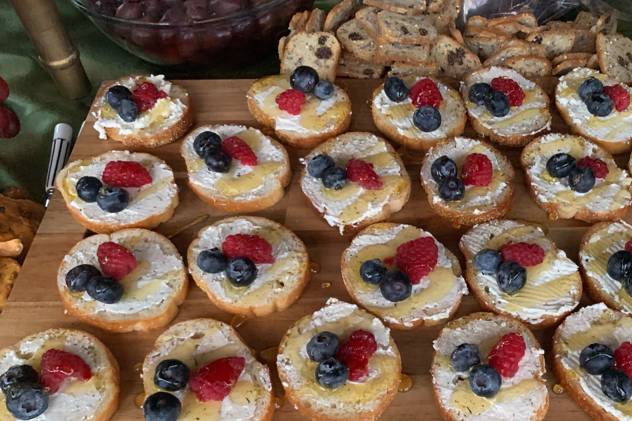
318 164
560 165
128 110
511 277
372 271
599 104
211 261
627 284
480 93
484 380
26 401
582 180
451 188
18 374
322 346
497 104
112 199
442 168
88 188
217 161
331 373
487 261
596 358
620 265
616 385
171 375
334 178
427 118
588 87
395 89
77 278
104 289
205 142
241 271
117 93
304 79
395 286
465 356
162 406
324 89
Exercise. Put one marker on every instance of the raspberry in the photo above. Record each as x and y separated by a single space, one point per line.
417 258
4 90
524 254
57 366
115 260
9 123
253 247
362 172
356 351
291 100
598 167
238 149
125 174
619 95
215 380
623 358
145 96
628 246
505 356
510 88
477 170
425 92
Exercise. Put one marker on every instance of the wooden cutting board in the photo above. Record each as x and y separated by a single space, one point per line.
34 304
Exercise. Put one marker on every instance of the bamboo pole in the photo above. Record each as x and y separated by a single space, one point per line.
56 52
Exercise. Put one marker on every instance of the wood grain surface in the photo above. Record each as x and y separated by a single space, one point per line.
34 304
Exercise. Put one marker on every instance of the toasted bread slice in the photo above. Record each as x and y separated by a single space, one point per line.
609 199
244 188
341 12
484 45
96 399
615 56
514 48
354 206
454 59
593 324
319 50
394 27
365 399
351 66
395 119
367 18
356 40
153 291
148 206
570 56
407 70
521 397
316 21
434 298
199 342
165 122
556 41
531 67
277 284
318 119
405 7
9 270
552 288
388 53
566 66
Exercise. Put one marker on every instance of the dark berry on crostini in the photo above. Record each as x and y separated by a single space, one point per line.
241 271
331 373
395 89
26 401
616 385
465 356
318 164
77 278
619 265
212 261
581 179
442 168
322 346
372 271
18 374
596 358
451 188
205 142
484 380
487 261
324 89
427 118
511 277
334 178
497 104
395 286
480 93
88 188
217 160
588 87
116 94
599 104
104 289
127 110
560 165
112 199
162 406
171 375
304 79
627 284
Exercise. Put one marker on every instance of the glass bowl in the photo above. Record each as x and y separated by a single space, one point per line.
176 32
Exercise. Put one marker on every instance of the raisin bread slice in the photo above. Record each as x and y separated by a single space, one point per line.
367 18
340 13
454 60
316 21
393 27
484 45
530 66
319 50
615 56
405 70
412 54
405 7
556 41
351 66
356 40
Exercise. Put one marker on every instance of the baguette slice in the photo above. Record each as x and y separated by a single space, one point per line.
609 199
148 207
96 399
198 342
164 123
277 285
593 324
244 188
152 292
615 56
434 298
365 399
354 206
521 397
552 288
